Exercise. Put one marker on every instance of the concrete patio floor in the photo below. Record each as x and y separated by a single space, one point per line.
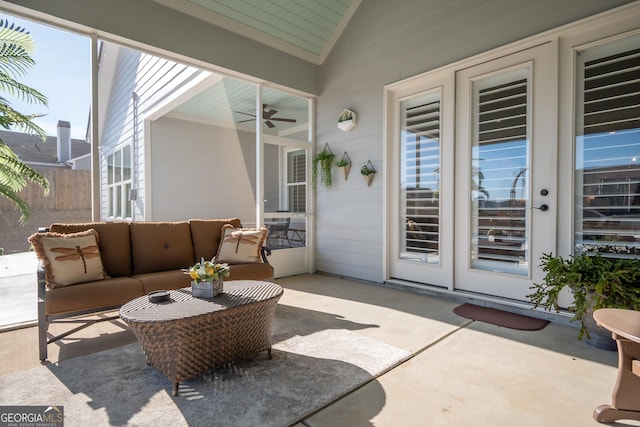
462 373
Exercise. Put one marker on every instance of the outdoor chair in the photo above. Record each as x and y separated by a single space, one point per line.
279 233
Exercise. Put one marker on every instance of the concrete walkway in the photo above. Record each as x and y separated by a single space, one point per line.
18 290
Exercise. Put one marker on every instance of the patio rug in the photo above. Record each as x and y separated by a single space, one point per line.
117 387
500 318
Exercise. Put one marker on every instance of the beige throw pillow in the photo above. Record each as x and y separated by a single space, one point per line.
241 245
69 259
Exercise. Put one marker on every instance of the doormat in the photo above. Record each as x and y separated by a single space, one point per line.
500 318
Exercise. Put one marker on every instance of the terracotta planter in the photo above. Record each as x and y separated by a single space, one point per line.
369 178
345 170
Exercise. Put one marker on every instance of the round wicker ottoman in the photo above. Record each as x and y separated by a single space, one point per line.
186 336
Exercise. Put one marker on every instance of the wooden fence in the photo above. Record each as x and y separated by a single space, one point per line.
69 190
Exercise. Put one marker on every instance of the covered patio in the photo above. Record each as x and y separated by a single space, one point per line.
458 371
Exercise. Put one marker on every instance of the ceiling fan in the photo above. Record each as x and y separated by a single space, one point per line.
266 115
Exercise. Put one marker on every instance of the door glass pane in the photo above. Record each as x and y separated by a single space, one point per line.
419 178
499 165
286 147
608 150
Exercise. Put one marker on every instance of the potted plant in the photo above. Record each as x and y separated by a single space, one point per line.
207 278
322 163
596 282
368 171
346 120
344 164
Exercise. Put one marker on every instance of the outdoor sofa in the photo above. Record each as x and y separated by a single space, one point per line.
137 258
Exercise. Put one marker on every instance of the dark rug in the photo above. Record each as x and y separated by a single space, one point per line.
500 318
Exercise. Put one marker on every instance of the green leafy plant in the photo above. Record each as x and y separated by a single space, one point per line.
208 271
367 169
322 163
344 161
596 282
16 47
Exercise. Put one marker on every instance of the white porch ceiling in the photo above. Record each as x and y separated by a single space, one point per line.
229 102
307 29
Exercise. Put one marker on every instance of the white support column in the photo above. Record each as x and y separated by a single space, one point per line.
95 137
259 159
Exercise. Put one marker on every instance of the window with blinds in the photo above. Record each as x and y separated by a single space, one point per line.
420 184
296 181
608 150
499 168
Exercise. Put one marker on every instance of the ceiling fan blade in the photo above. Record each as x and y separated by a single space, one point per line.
244 121
269 124
283 120
267 114
246 114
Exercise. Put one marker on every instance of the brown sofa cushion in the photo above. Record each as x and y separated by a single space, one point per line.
262 271
93 295
206 233
113 241
160 246
164 280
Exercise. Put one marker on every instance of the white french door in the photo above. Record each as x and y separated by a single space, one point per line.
506 160
473 162
421 162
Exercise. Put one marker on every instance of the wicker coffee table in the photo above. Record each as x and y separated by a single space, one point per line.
187 336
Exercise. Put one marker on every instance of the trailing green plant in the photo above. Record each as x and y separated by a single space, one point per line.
321 167
596 282
16 47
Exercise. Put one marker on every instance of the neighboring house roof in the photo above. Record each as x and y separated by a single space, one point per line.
31 149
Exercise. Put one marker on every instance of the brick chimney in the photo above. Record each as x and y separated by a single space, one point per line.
64 141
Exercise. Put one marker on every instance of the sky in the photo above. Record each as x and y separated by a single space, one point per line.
62 73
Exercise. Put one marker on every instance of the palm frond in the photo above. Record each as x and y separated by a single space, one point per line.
16 48
21 91
15 174
23 207
10 118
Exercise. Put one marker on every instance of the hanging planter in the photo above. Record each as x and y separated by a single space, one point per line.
344 164
346 120
322 163
368 171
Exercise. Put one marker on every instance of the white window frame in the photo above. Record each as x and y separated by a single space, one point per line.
115 183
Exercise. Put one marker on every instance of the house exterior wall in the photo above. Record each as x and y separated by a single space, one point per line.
387 41
215 167
147 81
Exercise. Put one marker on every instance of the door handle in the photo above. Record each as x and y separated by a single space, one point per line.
543 208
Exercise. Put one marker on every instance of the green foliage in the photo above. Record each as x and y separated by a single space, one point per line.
596 282
367 169
322 163
16 47
344 161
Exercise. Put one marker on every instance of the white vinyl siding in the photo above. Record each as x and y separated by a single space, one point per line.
126 103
